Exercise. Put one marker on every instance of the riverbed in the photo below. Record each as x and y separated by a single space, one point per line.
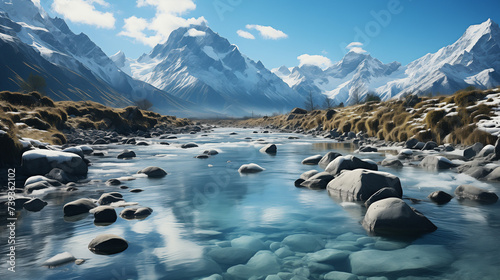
203 205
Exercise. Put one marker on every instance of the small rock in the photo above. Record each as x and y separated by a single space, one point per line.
392 162
250 168
368 149
59 259
210 152
136 190
269 149
189 145
312 160
475 194
107 244
79 206
34 205
436 163
327 158
126 154
440 197
108 198
113 182
104 214
153 172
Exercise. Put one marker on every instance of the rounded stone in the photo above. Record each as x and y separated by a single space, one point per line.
107 244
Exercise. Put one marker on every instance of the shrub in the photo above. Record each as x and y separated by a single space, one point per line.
464 98
433 117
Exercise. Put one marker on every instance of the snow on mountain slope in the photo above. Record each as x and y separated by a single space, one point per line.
93 74
353 74
207 69
474 59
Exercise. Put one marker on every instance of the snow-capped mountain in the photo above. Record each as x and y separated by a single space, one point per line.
473 60
198 65
75 68
351 76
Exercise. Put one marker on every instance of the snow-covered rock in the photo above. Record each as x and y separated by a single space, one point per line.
40 162
250 168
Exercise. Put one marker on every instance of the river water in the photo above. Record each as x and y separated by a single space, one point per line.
204 204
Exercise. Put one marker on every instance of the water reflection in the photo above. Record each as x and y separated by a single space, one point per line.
202 204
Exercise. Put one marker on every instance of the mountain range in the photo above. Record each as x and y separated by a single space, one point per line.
473 60
198 73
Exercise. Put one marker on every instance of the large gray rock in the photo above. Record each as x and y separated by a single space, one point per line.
475 194
435 163
79 206
486 151
34 205
326 159
312 160
494 175
473 150
412 258
410 143
360 184
104 214
107 244
382 194
153 172
392 216
269 149
349 163
318 181
41 162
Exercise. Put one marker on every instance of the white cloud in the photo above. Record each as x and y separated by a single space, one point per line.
84 11
316 60
268 32
168 17
356 47
195 33
245 34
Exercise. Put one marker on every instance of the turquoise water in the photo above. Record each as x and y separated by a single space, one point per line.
203 204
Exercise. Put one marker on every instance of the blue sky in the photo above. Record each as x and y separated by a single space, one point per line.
283 30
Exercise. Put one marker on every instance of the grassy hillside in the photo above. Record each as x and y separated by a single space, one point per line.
450 119
37 117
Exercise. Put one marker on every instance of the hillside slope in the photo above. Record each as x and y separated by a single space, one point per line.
466 117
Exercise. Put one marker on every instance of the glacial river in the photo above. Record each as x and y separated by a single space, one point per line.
204 204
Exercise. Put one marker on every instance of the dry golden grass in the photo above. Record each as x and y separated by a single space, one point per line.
42 119
394 120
